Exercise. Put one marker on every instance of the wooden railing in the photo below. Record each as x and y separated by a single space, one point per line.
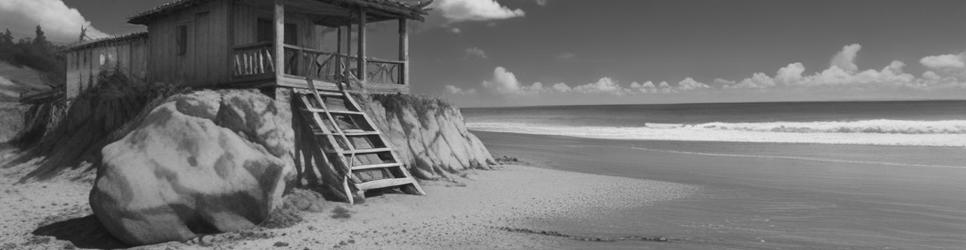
253 60
384 71
316 64
256 60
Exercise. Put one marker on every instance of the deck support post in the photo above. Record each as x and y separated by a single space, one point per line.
403 52
361 67
279 24
338 52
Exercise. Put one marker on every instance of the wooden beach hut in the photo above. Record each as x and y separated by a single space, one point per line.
237 43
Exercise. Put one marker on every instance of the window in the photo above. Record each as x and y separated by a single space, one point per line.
266 32
182 39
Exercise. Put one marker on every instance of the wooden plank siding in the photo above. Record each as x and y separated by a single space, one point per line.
202 63
85 64
246 25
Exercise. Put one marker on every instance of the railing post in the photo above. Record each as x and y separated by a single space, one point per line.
362 45
403 52
279 39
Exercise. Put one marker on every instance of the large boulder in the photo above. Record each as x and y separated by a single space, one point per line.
427 133
199 163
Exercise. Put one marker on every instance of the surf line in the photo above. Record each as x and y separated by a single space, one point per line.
585 238
799 158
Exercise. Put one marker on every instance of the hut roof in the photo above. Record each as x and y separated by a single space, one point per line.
108 40
396 7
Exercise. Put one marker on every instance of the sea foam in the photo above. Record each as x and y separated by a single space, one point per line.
866 132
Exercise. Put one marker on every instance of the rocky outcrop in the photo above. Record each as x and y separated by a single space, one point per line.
427 133
199 163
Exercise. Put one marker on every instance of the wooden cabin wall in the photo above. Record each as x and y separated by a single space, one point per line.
246 25
85 69
72 84
138 59
84 65
206 59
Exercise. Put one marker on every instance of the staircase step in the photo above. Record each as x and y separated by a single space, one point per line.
392 182
360 133
318 110
384 165
321 92
347 133
345 112
367 151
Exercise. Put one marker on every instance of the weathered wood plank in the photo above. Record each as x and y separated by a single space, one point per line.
362 46
279 23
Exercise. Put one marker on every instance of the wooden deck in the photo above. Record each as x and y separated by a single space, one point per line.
255 65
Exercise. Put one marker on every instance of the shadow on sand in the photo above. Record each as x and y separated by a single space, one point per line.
84 232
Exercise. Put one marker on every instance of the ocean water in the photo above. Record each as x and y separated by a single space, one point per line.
920 123
845 175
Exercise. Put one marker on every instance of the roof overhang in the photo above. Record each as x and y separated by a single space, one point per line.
382 9
107 41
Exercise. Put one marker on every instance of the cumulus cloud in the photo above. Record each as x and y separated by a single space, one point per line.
503 81
691 84
943 61
845 59
843 72
561 87
603 85
455 11
790 74
943 72
60 22
646 87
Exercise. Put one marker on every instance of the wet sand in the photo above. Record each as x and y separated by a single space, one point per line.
768 196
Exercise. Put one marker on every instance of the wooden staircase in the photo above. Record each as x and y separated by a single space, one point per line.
349 140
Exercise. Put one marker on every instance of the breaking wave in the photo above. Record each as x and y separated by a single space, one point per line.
866 132
880 126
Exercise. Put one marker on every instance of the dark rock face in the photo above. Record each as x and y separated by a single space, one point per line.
427 134
200 163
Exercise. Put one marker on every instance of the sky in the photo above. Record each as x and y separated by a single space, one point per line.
572 52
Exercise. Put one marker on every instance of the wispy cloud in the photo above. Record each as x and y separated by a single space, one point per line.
450 89
475 52
60 22
566 56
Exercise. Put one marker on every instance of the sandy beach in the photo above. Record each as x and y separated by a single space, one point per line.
775 195
511 207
